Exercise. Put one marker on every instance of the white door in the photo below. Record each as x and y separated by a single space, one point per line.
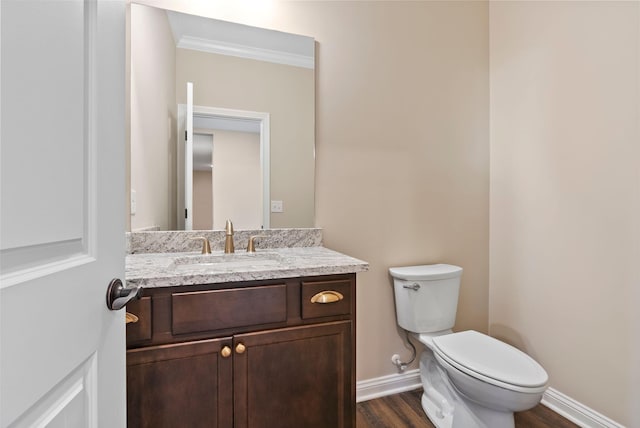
185 162
188 161
62 352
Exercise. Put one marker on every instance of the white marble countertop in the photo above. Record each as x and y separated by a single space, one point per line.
175 269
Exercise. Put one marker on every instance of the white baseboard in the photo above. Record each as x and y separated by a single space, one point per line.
575 411
565 406
387 385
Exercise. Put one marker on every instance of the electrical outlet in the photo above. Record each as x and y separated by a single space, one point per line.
277 207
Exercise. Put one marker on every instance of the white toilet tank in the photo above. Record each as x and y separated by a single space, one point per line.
426 296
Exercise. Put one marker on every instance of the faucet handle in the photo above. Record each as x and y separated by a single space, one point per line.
228 227
228 238
206 246
251 247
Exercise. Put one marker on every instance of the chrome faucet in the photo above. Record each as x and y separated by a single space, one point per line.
228 241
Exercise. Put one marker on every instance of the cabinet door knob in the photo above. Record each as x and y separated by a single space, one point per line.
225 352
328 296
240 348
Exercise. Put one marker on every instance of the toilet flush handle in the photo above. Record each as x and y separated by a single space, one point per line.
415 286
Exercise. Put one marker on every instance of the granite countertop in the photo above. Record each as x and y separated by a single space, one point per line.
175 269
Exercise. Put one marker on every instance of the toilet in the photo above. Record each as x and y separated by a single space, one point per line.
470 380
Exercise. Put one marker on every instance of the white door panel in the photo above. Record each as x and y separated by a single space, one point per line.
39 110
71 403
188 161
62 352
185 162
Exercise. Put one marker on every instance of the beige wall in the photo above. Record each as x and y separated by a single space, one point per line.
202 200
565 194
287 94
403 153
233 188
237 180
402 166
153 119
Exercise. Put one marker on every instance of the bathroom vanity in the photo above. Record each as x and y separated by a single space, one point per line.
264 340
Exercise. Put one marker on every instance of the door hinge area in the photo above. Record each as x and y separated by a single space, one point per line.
185 213
185 135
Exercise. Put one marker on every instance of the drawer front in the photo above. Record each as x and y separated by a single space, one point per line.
222 309
140 330
325 298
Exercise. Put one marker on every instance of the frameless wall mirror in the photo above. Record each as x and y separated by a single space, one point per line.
252 141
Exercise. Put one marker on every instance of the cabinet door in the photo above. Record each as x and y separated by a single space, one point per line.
180 385
294 377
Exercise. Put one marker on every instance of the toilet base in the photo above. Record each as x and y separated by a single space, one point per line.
446 407
434 414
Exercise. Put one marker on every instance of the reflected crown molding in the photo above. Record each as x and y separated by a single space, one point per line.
230 38
243 51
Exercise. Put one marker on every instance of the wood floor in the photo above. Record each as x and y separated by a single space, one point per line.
405 410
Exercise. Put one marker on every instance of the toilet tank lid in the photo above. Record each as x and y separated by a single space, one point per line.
426 272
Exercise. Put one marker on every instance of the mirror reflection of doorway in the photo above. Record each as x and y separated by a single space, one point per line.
202 181
226 178
227 152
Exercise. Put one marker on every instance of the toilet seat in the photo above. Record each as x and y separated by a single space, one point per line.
491 361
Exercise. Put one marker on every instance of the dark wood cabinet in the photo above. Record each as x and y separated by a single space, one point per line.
180 385
245 355
294 377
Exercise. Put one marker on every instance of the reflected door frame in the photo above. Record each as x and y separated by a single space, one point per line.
216 112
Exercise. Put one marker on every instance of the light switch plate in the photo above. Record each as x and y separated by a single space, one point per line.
277 207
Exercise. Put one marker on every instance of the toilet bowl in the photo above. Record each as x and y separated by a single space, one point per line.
469 379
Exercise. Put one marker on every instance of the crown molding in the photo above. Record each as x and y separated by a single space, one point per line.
243 51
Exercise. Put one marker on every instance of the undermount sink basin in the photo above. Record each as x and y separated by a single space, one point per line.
223 261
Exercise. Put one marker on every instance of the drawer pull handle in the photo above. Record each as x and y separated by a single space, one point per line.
131 318
327 297
225 352
240 348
